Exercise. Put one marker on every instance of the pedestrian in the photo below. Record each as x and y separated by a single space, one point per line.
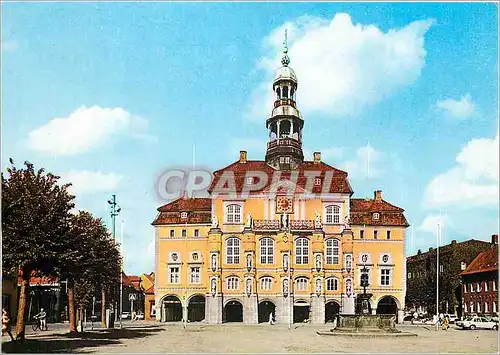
134 316
446 322
42 316
6 324
271 319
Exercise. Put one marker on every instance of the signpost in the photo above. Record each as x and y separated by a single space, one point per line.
132 297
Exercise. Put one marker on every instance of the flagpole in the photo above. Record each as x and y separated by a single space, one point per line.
437 266
121 275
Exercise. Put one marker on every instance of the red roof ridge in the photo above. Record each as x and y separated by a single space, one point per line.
206 203
373 201
485 261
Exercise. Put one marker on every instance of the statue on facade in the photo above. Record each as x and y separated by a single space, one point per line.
215 222
249 262
285 287
348 262
284 221
213 286
348 289
214 262
249 286
318 262
249 220
285 262
346 222
318 286
317 220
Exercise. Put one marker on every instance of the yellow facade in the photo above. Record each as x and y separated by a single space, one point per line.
280 238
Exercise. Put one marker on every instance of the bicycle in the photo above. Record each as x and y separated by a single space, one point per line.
36 324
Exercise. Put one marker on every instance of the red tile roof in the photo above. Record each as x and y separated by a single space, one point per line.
389 215
198 211
484 262
150 290
338 184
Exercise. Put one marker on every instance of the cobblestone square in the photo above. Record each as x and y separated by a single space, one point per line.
150 337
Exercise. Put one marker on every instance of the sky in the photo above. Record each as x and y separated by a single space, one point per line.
109 96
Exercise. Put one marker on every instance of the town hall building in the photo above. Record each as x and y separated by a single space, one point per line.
298 248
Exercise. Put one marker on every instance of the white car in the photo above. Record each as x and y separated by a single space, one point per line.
125 315
453 318
477 323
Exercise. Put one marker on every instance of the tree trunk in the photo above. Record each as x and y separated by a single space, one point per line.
103 308
71 307
23 301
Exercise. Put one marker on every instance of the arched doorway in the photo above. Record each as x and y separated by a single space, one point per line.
300 312
387 305
332 310
266 308
196 308
233 311
172 308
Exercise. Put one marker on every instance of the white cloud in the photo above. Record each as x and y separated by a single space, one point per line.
462 108
9 46
84 181
472 182
84 130
342 67
430 223
366 163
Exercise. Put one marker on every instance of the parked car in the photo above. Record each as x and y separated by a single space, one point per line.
477 323
125 315
453 318
490 318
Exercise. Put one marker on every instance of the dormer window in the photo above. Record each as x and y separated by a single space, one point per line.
250 180
317 181
376 216
184 215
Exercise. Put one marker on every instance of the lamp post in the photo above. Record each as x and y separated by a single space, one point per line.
115 209
121 276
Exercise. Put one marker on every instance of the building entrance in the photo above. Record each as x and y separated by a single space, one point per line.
265 309
387 305
172 309
196 308
332 310
233 312
300 312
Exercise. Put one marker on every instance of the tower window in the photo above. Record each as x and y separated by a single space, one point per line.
388 234
361 234
376 216
285 92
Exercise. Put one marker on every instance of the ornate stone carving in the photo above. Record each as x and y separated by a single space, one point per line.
215 222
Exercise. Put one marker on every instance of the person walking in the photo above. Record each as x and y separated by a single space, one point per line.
6 324
42 316
446 322
271 319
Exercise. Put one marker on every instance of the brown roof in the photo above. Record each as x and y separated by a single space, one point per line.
389 215
484 262
198 211
447 248
150 290
339 183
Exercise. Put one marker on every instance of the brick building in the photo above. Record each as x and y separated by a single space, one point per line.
421 275
480 282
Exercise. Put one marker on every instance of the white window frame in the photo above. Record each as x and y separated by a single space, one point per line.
495 306
376 216
233 213
195 275
332 284
486 286
472 288
471 307
478 307
332 214
301 283
184 233
375 234
332 251
266 283
478 287
494 285
441 267
172 233
317 181
465 288
302 251
174 275
184 215
233 251
382 276
267 250
232 283
486 310
409 275
196 233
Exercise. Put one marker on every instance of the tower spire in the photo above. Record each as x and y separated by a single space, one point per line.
285 60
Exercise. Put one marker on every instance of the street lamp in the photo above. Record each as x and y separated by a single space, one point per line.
115 209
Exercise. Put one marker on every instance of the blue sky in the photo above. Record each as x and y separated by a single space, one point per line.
111 95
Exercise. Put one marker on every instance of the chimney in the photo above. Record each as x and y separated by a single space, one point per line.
243 156
317 157
453 241
494 239
419 252
378 195
431 249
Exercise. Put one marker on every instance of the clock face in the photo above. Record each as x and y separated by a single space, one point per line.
284 204
364 258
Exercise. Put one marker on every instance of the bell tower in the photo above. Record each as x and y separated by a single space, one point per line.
284 148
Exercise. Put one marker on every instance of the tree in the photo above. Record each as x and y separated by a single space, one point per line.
35 218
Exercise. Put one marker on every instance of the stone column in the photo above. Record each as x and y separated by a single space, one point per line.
348 306
318 310
213 310
250 310
400 316
283 311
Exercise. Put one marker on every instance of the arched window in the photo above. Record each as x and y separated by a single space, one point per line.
233 283
278 92
267 251
332 284
266 283
233 214
291 93
332 251
332 214
302 251
285 92
301 284
233 251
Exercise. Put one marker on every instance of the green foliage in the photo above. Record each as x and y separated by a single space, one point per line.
35 217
